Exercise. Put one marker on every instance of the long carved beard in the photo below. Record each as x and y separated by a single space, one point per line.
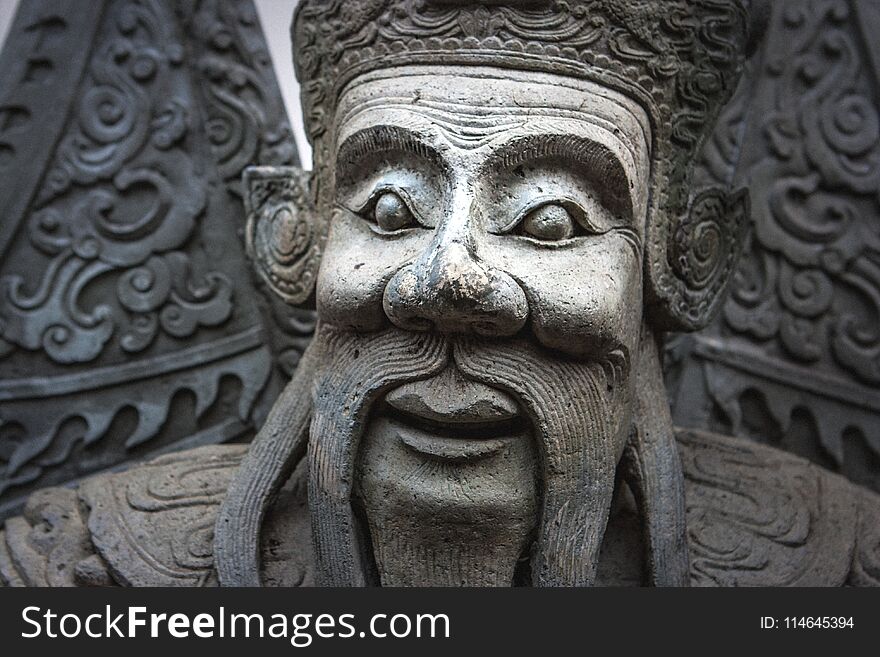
579 416
575 409
359 369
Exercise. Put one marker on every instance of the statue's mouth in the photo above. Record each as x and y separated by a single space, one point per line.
451 418
448 467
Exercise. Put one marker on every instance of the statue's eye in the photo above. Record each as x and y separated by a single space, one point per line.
391 212
550 222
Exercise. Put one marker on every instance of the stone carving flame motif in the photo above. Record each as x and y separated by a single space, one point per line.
118 193
110 263
802 324
821 175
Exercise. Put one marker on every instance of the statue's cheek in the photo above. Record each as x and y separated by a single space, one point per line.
357 265
584 300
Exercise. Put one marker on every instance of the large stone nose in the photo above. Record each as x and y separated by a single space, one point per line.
448 289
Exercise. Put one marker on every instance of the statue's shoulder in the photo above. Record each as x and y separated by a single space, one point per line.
759 516
154 525
151 525
756 516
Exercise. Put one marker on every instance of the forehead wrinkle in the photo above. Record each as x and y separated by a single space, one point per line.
575 139
474 92
467 126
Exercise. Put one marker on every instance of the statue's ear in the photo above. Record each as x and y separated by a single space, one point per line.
691 260
283 239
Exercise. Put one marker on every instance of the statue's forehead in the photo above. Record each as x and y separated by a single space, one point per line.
473 105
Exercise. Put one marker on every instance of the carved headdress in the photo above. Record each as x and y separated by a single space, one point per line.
680 59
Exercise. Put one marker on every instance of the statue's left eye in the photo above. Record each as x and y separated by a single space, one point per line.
550 222
391 212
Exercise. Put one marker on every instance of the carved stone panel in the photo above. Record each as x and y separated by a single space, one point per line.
129 318
794 357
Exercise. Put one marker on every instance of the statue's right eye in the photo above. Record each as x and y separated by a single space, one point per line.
549 223
391 212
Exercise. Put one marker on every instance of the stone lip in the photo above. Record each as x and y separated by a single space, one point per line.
450 449
451 399
451 418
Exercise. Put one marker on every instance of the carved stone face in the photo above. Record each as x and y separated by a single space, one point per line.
485 254
481 201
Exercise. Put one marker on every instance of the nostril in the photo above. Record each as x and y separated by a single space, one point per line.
505 309
402 302
420 324
409 321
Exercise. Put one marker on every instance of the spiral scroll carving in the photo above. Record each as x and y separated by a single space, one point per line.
706 246
282 239
795 355
128 323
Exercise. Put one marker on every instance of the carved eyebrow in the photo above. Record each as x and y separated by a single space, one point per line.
599 163
367 143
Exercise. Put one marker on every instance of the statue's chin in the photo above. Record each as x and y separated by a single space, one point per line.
449 499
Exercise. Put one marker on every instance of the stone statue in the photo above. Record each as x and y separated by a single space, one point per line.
499 230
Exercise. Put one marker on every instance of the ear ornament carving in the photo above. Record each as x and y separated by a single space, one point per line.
701 256
283 239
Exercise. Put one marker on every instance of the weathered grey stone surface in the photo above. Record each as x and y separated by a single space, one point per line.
756 517
129 321
500 228
793 359
500 205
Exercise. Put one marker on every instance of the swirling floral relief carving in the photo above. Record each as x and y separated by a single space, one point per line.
122 196
246 125
51 318
161 294
856 340
281 235
707 241
787 515
755 309
246 121
128 71
810 279
794 358
143 211
123 327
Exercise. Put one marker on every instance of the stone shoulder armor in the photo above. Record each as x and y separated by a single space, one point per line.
152 525
756 516
759 516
